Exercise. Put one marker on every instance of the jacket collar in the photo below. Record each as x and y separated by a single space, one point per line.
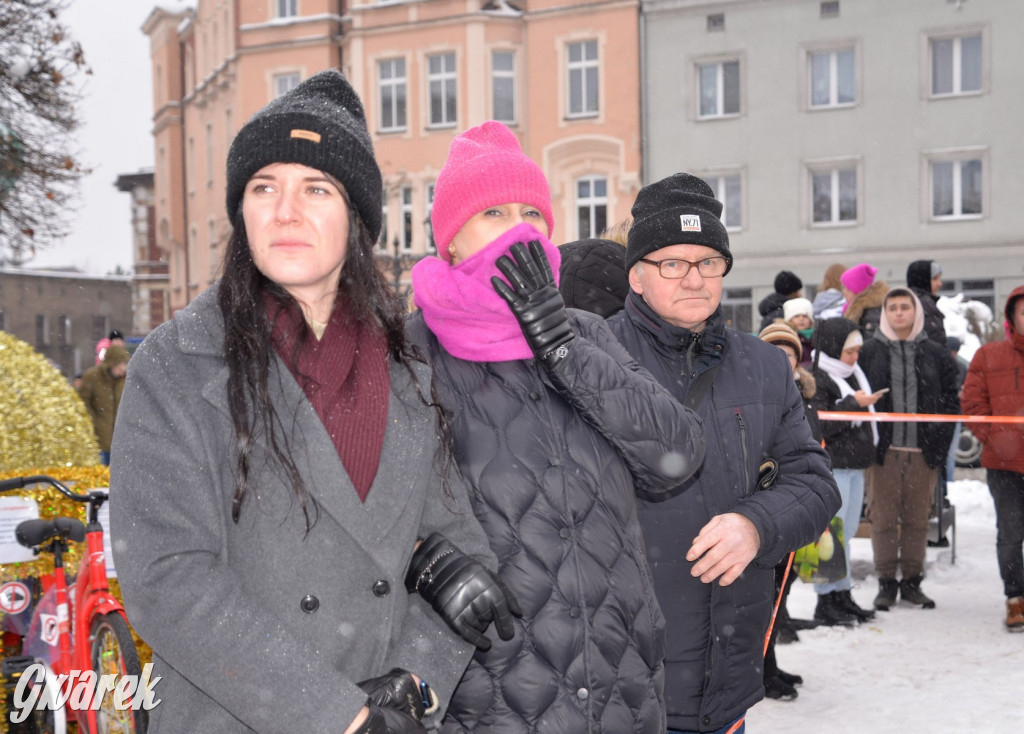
673 338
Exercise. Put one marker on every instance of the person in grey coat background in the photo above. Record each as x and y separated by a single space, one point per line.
279 457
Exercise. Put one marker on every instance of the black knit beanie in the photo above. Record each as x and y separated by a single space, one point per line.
787 283
920 274
592 277
678 210
831 335
320 124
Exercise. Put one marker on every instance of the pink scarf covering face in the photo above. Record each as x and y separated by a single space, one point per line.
461 307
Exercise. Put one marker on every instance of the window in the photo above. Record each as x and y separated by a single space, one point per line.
406 218
956 188
832 78
956 65
284 83
100 327
728 190
983 290
63 330
719 85
582 67
737 308
591 206
834 195
503 86
42 330
382 241
287 8
441 83
392 85
209 155
431 244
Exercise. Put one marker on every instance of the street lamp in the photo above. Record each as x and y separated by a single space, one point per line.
399 263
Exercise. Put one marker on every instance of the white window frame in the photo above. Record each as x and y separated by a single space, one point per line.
718 180
591 202
399 87
833 49
956 156
718 62
833 166
590 103
956 35
500 75
444 81
286 8
431 244
406 233
382 238
284 82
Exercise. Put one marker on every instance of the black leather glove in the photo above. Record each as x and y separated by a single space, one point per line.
383 720
465 593
399 690
535 301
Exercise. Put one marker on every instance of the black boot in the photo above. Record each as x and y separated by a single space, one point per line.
910 591
846 598
830 611
887 590
778 689
790 678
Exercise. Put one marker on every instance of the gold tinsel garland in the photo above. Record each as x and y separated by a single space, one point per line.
43 421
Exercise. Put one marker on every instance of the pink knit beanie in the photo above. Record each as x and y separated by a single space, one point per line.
485 167
859 278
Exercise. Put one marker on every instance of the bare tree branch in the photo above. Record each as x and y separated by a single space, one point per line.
40 67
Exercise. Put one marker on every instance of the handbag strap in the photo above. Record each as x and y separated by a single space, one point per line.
700 387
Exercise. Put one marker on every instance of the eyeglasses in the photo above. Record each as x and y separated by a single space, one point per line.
674 269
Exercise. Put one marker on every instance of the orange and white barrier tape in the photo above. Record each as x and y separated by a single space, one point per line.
853 415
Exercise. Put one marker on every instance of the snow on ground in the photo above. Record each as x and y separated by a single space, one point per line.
954 668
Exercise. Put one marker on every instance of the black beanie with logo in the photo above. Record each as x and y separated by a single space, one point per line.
320 124
678 210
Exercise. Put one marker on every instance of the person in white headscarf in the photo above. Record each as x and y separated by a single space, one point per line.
843 386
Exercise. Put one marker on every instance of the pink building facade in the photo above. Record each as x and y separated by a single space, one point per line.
563 75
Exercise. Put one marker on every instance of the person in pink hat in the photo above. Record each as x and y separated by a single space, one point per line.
864 297
556 430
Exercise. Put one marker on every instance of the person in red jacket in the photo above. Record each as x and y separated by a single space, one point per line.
995 386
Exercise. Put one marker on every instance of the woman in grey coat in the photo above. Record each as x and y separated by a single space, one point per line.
278 458
555 429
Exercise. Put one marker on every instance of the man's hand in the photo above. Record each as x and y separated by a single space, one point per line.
723 548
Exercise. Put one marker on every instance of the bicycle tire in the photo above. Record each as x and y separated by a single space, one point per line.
52 719
113 651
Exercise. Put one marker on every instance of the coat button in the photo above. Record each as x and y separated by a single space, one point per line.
706 721
535 395
381 588
574 613
583 694
309 604
564 533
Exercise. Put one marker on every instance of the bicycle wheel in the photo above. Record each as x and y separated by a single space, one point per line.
113 652
52 719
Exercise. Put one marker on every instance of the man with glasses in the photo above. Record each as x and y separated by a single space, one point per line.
765 487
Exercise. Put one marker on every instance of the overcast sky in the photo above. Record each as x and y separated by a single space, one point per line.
115 135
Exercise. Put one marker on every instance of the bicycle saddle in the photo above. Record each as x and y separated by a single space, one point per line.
31 533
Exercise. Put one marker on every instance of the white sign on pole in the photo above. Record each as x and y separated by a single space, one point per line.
14 510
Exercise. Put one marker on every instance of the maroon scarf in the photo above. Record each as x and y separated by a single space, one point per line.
345 377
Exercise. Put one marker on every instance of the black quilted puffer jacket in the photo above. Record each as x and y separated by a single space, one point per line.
553 461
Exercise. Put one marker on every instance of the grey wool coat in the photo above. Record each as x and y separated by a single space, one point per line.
554 459
260 626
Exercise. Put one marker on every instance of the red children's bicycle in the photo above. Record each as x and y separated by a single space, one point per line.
93 675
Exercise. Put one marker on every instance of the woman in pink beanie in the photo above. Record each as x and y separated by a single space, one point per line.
863 296
555 431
